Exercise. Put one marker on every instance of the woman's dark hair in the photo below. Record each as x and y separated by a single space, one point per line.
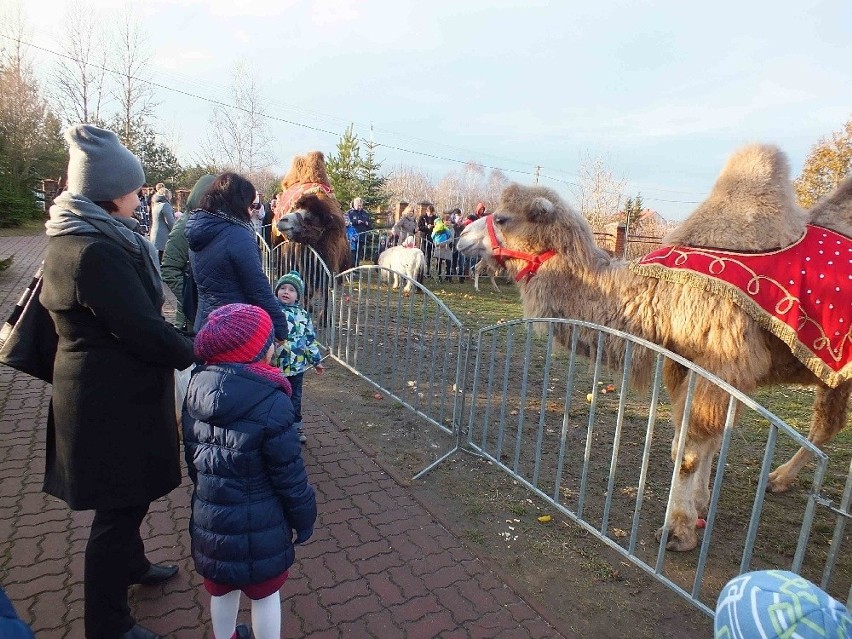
231 193
109 206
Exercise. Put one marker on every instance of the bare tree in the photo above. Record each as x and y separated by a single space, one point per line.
134 93
599 192
409 184
79 79
238 138
13 26
472 185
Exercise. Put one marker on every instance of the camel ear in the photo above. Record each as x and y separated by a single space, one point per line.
541 209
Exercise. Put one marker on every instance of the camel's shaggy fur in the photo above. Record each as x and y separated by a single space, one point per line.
582 282
835 211
753 195
408 261
314 219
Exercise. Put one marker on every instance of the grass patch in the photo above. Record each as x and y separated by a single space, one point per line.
28 228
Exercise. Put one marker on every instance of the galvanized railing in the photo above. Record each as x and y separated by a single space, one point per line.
576 434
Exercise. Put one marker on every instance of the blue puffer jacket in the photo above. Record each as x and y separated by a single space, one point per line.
251 487
226 267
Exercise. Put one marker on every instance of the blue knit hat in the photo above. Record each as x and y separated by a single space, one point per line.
293 279
778 603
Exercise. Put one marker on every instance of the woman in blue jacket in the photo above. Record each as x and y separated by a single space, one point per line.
244 457
224 255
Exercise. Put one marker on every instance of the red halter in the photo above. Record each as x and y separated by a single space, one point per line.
500 254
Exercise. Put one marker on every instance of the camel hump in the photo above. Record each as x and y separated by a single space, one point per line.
835 211
752 206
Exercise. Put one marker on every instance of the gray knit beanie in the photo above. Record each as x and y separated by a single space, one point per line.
100 167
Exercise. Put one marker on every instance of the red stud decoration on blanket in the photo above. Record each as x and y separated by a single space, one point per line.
801 293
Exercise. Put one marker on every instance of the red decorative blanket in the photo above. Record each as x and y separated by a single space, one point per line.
288 199
801 293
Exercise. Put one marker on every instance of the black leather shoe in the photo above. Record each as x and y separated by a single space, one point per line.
140 632
157 574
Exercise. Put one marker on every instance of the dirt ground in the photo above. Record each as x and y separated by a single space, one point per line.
584 588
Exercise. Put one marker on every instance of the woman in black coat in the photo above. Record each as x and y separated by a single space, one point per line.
112 443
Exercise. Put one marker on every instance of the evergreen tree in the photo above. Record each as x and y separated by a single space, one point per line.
344 169
372 183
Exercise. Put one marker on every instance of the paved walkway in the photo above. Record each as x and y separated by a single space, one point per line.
379 565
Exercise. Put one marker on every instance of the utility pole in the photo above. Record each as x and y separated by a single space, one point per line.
537 173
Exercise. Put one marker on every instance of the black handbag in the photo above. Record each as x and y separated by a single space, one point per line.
28 339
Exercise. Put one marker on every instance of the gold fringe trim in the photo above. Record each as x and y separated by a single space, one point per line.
766 321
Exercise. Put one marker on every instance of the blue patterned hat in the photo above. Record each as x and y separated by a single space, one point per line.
770 604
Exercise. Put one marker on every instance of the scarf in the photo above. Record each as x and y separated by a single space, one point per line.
78 215
268 372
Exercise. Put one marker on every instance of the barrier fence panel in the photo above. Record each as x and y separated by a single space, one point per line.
288 256
600 452
408 344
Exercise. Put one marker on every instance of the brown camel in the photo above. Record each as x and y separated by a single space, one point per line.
573 278
307 212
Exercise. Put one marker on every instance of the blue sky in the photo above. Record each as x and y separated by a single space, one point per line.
663 91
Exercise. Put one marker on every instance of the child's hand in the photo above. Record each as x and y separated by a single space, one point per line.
320 369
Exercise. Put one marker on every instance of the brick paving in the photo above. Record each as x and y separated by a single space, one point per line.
379 564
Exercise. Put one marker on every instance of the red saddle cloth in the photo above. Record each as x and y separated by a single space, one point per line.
288 199
801 293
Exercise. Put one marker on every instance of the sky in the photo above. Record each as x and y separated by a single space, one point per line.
661 91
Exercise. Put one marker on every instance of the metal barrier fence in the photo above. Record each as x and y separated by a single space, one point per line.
581 438
412 347
600 452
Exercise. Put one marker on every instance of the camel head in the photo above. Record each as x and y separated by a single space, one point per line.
313 215
532 221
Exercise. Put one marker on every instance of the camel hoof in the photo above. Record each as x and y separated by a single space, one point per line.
777 485
680 541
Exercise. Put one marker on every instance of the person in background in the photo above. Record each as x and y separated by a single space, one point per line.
141 213
111 442
243 456
359 219
300 350
480 210
267 219
175 268
224 255
771 604
425 223
442 237
162 219
407 225
257 214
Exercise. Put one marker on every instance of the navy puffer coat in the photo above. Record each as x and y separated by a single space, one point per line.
251 488
226 267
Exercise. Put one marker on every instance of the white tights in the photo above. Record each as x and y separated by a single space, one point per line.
265 615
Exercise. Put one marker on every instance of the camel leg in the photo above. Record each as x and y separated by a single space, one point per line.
831 408
690 488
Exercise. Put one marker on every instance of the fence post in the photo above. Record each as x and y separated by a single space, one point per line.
621 240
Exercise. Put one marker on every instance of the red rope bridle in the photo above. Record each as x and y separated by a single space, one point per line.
501 254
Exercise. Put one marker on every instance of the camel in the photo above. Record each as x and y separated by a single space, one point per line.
550 250
307 212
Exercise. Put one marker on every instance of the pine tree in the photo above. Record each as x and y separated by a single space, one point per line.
344 168
372 189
